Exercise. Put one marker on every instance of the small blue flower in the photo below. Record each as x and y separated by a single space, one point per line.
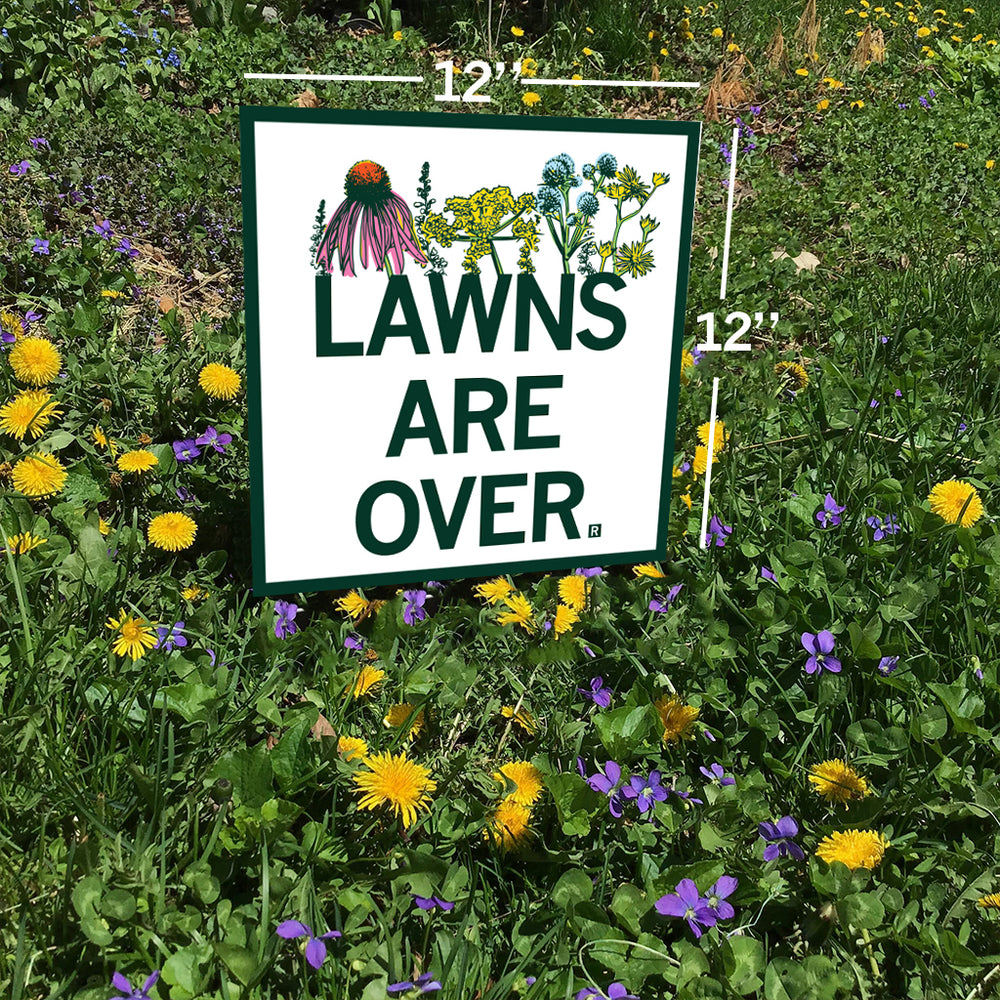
607 164
587 204
170 636
548 200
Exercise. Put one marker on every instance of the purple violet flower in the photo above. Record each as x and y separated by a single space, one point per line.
767 574
779 837
355 642
20 169
285 625
212 437
414 610
598 693
606 782
717 895
663 603
425 983
819 646
125 247
103 229
646 792
170 636
685 902
887 665
432 902
315 949
124 987
717 773
41 247
829 516
39 143
588 573
186 450
616 991
717 531
889 526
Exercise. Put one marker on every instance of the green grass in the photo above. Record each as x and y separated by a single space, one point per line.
169 813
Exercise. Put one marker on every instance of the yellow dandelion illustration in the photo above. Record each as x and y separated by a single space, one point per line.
509 827
367 679
135 635
837 781
395 781
527 780
677 718
219 381
854 848
648 569
954 499
39 475
493 590
573 591
137 461
172 531
35 360
405 714
521 612
28 413
24 542
522 717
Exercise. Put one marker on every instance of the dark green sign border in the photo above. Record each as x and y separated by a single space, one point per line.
249 116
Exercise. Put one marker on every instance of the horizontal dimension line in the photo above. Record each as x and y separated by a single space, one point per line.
608 83
332 77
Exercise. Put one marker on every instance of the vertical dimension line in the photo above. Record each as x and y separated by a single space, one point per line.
729 213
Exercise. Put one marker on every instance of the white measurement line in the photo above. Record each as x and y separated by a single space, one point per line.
335 77
729 214
708 465
530 82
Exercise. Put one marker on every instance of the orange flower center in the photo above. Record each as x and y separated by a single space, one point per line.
368 183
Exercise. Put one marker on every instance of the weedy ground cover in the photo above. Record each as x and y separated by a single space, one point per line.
768 769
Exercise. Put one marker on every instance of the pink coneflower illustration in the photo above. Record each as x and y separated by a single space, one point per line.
386 224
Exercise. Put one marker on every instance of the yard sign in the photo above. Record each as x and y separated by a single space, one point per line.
466 361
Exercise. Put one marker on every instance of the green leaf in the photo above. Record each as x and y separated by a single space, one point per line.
190 700
240 962
573 887
183 968
575 802
119 904
87 895
863 910
747 975
629 905
290 756
99 569
861 645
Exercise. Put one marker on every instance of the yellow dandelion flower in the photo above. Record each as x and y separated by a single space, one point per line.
721 434
405 714
566 617
100 438
589 31
135 635
990 901
833 83
961 145
395 781
687 361
793 373
104 528
517 32
700 463
822 105
954 499
651 35
529 67
39 475
854 848
137 461
527 780
530 98
648 569
352 747
193 593
397 36
733 47
573 591
521 612
717 32
588 52
494 590
35 360
677 718
837 781
219 381
24 542
10 322
522 717
576 76
509 827
110 293
990 164
368 677
857 104
172 531
356 607
28 413
802 71
686 497
664 52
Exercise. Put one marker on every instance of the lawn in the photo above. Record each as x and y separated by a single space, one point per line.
765 768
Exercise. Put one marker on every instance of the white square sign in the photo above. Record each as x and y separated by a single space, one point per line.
464 341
